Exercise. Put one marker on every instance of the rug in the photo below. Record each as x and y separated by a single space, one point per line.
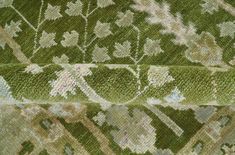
117 77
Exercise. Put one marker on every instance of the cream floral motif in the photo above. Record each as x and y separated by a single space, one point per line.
201 48
66 81
152 47
12 29
74 9
158 76
142 139
5 3
209 6
52 12
100 54
64 84
204 49
125 19
33 69
62 60
227 29
122 50
102 30
47 40
70 39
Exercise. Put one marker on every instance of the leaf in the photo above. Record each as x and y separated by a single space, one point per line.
62 60
209 6
158 76
70 39
152 47
5 3
104 3
52 12
12 29
47 40
102 30
100 54
227 29
74 9
33 69
122 50
126 19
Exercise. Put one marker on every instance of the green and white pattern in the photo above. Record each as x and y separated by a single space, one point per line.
117 77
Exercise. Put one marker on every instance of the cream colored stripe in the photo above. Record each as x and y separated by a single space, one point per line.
15 47
227 7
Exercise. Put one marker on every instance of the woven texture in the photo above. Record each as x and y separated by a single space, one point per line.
117 77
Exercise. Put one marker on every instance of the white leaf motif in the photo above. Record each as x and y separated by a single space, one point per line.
33 69
70 39
152 47
142 139
122 50
102 30
125 19
12 29
209 6
74 9
227 29
158 76
47 40
104 3
100 54
52 12
62 60
5 3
